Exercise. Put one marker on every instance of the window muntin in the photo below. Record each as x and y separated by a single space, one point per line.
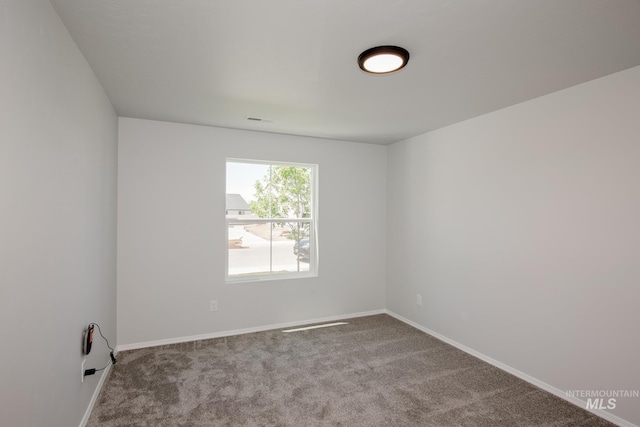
276 237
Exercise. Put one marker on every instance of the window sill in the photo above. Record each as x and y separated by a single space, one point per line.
269 277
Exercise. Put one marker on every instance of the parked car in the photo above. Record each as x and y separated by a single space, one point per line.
301 248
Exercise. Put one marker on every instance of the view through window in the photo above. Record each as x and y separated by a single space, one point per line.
270 220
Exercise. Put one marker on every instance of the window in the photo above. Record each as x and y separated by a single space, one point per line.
270 220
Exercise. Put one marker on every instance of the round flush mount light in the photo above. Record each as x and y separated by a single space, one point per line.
383 59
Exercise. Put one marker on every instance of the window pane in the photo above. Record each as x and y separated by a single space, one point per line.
265 248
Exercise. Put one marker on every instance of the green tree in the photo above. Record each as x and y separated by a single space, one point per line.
285 192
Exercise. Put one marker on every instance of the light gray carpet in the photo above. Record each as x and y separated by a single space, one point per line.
374 371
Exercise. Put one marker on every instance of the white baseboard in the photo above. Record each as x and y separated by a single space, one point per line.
96 393
540 384
179 340
544 386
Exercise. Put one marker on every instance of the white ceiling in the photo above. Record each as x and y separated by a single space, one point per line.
293 62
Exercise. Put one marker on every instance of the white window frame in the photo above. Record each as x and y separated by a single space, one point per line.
313 228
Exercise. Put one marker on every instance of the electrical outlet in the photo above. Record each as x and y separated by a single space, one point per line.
213 305
84 360
419 299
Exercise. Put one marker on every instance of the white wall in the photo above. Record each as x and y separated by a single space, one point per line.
57 218
172 241
521 231
518 228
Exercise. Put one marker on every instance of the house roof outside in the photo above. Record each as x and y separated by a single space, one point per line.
235 202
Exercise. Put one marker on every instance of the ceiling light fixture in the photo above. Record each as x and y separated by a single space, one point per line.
383 59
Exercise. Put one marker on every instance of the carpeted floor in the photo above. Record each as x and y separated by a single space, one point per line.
373 371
